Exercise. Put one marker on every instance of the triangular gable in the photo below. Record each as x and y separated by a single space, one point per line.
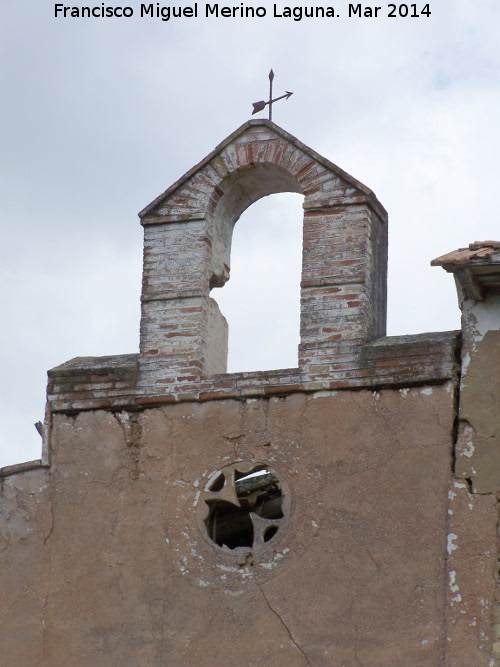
203 176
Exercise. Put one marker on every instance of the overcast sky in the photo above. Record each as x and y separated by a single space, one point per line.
101 115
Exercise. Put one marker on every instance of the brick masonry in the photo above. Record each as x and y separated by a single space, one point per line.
187 243
399 361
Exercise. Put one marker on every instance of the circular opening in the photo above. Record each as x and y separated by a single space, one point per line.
259 496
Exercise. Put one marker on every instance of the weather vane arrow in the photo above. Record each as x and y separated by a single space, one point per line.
258 106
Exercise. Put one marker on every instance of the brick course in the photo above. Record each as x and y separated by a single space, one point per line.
91 383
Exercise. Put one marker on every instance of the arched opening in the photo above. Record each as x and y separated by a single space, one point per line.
261 300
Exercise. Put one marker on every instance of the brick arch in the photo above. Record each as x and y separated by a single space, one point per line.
246 185
246 172
255 169
188 232
230 198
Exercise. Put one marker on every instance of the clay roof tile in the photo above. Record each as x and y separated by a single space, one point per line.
464 256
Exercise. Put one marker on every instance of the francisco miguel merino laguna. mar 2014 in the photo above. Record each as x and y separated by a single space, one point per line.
297 13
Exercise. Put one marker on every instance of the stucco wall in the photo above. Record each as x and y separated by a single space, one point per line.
122 570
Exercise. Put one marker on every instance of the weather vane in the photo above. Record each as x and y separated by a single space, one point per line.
258 106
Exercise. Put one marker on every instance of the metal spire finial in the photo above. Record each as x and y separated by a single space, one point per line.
258 106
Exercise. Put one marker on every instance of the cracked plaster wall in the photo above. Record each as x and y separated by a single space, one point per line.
478 446
478 465
472 570
358 575
25 527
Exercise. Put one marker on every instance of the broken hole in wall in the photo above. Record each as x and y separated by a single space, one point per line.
229 525
259 491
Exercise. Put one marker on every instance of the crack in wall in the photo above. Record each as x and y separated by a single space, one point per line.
434 411
379 414
457 381
308 662
8 609
132 431
408 600
131 427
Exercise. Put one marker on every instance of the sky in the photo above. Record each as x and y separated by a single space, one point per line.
100 115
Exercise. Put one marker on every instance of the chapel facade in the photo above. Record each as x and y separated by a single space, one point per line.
342 512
